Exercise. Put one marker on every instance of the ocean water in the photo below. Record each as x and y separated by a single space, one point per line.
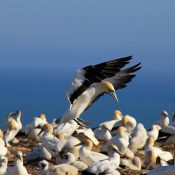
37 92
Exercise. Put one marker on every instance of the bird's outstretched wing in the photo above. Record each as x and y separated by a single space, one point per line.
97 73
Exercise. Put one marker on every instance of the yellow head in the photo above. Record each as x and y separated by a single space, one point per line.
126 120
109 88
12 125
1 134
117 115
88 143
61 136
42 116
48 128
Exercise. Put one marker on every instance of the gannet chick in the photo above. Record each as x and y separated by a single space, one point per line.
3 165
87 156
3 149
18 168
33 129
69 128
70 159
93 81
108 165
62 169
154 132
164 119
14 125
121 140
129 123
102 133
132 164
138 138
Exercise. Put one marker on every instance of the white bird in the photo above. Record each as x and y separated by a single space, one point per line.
154 132
3 149
132 164
87 132
106 166
69 128
39 152
62 169
93 81
164 119
18 168
14 125
129 123
152 153
87 155
121 140
48 139
103 133
138 138
3 165
115 122
33 129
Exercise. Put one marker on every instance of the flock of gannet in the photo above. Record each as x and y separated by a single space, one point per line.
67 146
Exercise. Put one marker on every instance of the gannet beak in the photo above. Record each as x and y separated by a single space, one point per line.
79 144
113 94
42 130
18 157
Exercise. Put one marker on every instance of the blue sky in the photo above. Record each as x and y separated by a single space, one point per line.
66 35
42 41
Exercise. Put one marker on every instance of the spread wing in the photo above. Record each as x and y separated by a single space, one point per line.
93 74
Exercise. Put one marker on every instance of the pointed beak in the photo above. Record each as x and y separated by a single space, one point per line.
42 130
113 94
18 157
79 144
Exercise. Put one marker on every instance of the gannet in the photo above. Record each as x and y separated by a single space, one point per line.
132 164
14 125
87 155
121 140
69 128
18 168
106 166
93 81
3 165
33 129
152 153
62 169
103 133
129 123
138 138
3 149
164 119
154 132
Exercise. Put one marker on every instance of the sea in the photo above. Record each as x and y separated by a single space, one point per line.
34 92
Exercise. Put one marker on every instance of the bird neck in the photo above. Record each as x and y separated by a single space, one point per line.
89 144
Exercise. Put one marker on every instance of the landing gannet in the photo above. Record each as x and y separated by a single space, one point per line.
18 168
62 169
14 125
93 81
3 165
